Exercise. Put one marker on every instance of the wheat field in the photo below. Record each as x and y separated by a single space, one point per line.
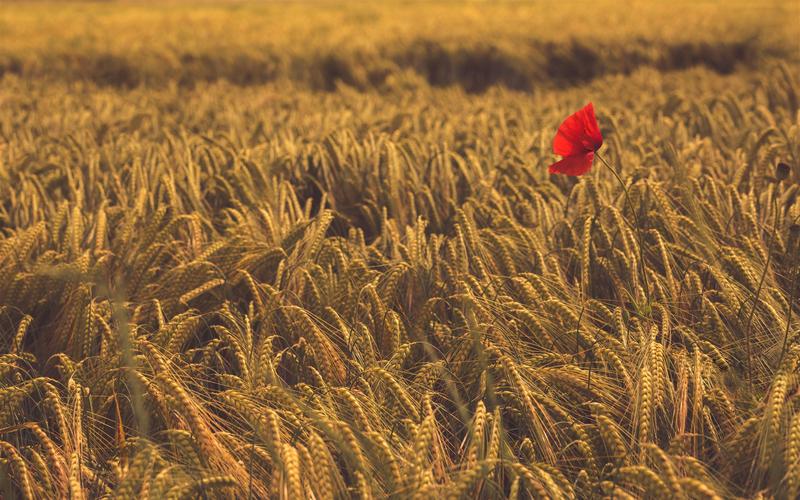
320 256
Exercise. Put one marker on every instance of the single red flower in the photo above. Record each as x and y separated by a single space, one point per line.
577 140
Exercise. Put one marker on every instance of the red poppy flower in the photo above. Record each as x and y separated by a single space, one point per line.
576 140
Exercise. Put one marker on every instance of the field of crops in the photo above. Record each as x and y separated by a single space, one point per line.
312 250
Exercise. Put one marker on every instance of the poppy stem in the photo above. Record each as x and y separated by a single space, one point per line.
642 265
792 289
747 335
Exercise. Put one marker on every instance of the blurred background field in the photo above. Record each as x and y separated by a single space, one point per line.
315 44
312 250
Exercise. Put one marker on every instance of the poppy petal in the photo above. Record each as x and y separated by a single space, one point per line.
578 134
568 138
591 128
573 165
